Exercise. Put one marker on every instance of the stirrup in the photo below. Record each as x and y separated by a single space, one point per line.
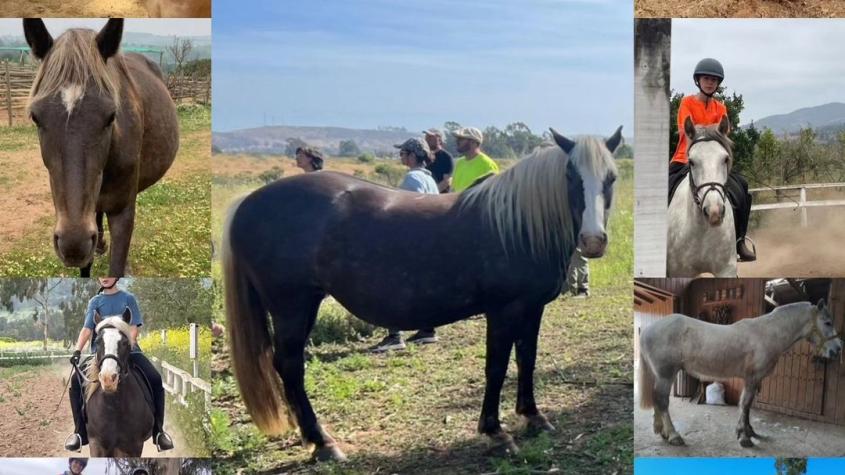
163 441
75 445
753 245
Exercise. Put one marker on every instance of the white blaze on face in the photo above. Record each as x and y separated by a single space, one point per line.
592 224
710 167
109 367
71 95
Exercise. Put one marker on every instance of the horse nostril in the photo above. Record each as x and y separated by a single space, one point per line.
113 379
604 238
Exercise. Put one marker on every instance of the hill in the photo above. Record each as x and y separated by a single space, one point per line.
826 117
273 139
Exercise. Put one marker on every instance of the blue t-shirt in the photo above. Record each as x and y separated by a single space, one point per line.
419 180
109 305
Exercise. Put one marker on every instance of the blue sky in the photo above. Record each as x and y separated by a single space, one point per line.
778 65
418 63
747 466
156 26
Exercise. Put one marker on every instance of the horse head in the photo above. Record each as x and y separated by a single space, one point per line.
591 170
823 335
710 159
113 347
73 102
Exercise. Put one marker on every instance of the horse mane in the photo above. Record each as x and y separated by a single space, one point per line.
92 372
704 133
527 205
75 60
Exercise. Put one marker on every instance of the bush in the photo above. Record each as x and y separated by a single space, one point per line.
388 174
271 175
336 325
366 158
177 349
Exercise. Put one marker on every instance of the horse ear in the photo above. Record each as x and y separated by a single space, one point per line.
614 140
37 37
563 142
127 315
108 39
97 317
725 125
821 304
689 128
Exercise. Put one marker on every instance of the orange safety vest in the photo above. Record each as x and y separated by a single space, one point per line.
701 114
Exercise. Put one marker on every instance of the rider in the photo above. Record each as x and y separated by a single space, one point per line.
112 301
75 466
703 109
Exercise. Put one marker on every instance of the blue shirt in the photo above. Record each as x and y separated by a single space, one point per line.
109 305
420 181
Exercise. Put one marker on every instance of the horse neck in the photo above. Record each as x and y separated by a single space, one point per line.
787 328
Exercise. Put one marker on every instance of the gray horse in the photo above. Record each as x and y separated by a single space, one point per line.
748 349
700 219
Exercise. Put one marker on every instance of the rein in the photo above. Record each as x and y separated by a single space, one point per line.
708 187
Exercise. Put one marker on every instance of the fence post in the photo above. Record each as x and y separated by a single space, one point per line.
194 350
8 93
803 204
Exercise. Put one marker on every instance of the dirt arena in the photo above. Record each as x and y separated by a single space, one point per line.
739 8
74 8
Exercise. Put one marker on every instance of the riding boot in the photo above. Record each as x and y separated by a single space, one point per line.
741 216
161 439
745 254
79 437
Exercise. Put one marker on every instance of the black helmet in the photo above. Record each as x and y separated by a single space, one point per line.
82 461
709 67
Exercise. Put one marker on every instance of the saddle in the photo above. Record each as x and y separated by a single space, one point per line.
135 371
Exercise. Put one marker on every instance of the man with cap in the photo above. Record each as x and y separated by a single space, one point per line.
443 165
473 163
309 159
414 154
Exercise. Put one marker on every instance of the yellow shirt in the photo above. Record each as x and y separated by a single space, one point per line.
467 171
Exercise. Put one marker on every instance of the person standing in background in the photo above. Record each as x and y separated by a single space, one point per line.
443 165
473 163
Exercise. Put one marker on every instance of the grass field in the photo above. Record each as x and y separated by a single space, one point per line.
416 411
172 222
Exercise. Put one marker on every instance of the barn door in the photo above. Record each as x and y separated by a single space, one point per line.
797 382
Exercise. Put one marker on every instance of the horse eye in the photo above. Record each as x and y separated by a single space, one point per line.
110 120
35 120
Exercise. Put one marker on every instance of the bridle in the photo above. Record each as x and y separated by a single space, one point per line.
707 187
816 333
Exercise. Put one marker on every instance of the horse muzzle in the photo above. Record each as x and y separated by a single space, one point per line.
109 382
75 247
593 246
714 213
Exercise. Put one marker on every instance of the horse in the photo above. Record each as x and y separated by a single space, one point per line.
108 130
179 8
748 349
118 417
702 237
406 260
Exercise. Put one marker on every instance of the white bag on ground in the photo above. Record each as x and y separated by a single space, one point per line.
716 394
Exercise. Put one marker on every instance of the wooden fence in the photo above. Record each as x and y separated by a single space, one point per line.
782 193
16 81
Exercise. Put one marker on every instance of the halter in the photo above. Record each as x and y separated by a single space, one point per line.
710 185
821 338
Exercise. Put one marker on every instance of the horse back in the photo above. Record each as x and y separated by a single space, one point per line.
160 124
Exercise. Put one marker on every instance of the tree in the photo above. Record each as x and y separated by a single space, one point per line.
348 148
173 302
179 50
449 142
520 139
791 466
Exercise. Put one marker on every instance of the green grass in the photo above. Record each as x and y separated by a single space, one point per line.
617 266
172 222
17 137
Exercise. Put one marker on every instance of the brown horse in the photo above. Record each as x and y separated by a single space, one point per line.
108 130
408 261
119 418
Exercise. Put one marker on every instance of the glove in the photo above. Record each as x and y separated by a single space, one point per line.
74 360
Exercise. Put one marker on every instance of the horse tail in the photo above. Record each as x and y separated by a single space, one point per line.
250 344
646 382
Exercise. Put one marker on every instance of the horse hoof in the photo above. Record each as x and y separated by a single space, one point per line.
328 453
503 445
539 423
676 440
746 443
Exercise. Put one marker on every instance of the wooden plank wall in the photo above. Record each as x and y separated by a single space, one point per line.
803 388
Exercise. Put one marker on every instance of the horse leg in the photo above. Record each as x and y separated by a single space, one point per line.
500 339
86 271
102 245
121 225
662 388
744 432
95 449
293 319
526 356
